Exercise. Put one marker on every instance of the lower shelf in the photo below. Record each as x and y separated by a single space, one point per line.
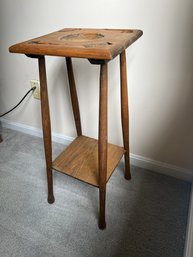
80 160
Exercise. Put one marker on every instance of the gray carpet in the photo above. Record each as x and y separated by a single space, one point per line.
146 217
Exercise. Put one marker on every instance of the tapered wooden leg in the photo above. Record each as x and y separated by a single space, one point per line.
125 112
102 143
74 98
46 126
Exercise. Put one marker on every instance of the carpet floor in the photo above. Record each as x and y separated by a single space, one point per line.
146 217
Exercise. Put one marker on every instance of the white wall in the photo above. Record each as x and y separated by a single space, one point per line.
159 71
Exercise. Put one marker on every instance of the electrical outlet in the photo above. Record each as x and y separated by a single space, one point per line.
36 92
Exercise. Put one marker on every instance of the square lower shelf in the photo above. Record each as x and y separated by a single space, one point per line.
80 160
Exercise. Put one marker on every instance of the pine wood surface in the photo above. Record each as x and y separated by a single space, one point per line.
80 160
102 44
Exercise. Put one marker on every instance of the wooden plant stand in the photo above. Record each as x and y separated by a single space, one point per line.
89 160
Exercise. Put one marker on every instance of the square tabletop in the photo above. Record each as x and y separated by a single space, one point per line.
102 44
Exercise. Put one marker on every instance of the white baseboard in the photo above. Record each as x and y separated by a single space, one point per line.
66 140
189 235
136 160
161 167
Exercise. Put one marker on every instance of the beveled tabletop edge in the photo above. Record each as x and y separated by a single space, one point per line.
60 50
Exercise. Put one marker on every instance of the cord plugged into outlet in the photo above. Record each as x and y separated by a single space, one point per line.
32 89
36 92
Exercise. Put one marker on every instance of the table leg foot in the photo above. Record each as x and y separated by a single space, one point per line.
127 176
51 199
50 186
102 225
102 222
127 167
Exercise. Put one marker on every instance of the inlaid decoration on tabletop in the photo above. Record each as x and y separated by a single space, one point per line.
102 44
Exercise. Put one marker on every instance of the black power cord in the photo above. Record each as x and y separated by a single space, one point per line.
32 89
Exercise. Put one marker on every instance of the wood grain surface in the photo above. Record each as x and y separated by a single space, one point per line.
80 160
102 44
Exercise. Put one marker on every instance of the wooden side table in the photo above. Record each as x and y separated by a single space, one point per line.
89 160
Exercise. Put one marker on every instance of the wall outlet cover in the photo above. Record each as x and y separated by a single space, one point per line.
36 92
